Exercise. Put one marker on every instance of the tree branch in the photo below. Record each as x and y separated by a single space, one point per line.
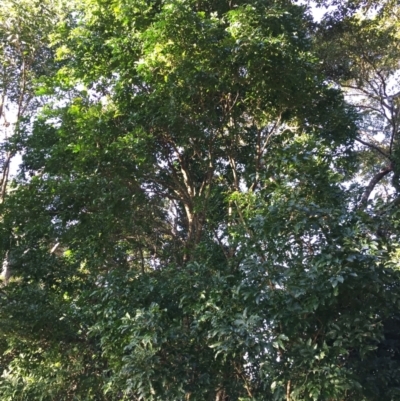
375 180
372 146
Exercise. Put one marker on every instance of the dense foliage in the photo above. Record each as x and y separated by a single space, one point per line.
207 206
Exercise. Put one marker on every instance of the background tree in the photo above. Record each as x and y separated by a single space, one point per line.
362 54
359 46
25 59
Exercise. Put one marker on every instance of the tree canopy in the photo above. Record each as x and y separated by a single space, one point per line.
207 206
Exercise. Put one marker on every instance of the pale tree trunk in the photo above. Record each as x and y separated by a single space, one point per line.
6 269
221 396
288 390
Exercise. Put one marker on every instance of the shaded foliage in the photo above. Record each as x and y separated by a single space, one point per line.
183 225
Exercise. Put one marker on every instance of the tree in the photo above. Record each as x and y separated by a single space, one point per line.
361 55
26 58
180 225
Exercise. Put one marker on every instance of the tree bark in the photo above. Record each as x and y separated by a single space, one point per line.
374 181
288 391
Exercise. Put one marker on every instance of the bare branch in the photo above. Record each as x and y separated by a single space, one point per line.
375 180
372 146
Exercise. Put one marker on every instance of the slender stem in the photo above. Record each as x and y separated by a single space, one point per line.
372 146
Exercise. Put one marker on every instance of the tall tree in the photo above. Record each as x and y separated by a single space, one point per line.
362 55
180 225
25 57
